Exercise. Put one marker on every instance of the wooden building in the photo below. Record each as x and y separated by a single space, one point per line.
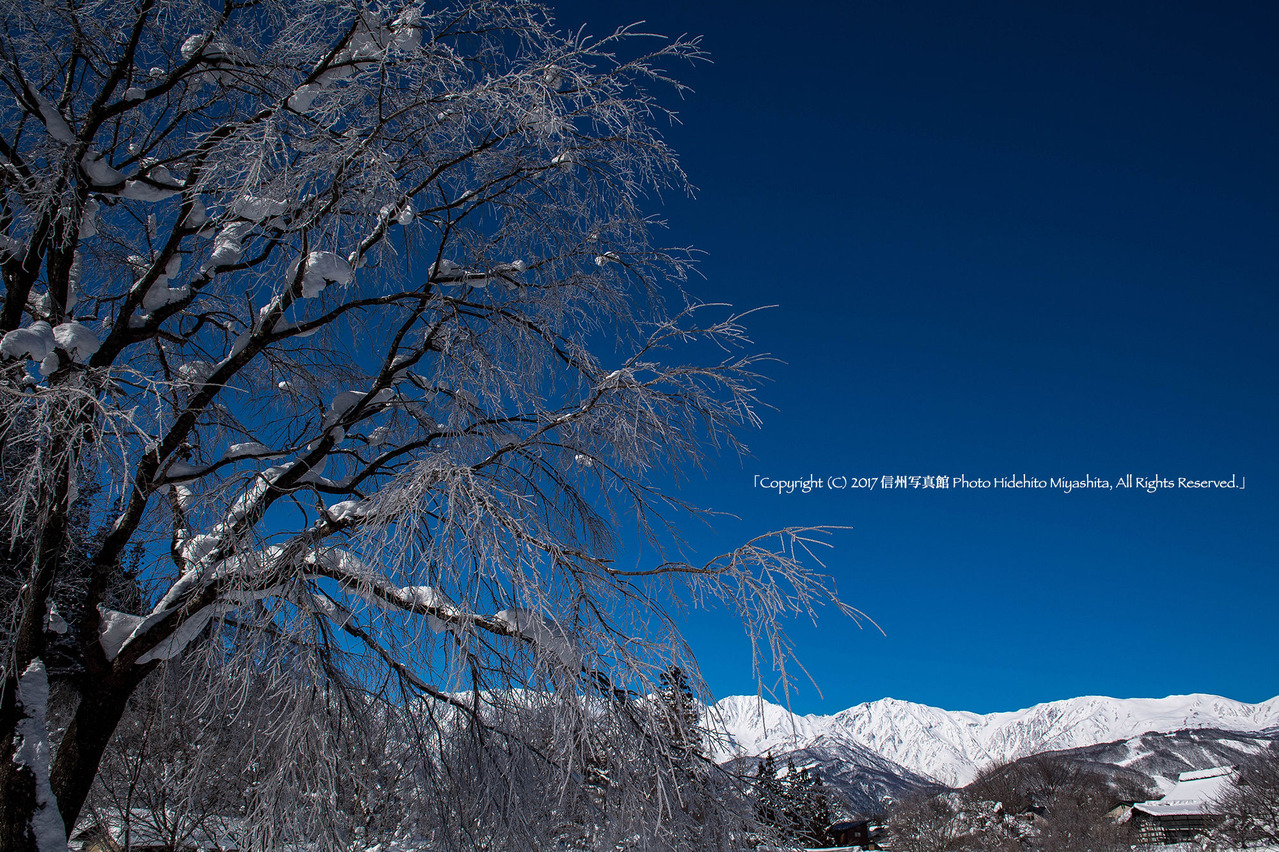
857 834
1189 809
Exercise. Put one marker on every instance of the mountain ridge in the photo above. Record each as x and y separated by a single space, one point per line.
951 747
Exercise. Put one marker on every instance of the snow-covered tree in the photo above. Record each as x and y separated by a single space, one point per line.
1049 802
1250 807
951 822
354 312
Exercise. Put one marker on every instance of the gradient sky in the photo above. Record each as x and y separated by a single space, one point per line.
1004 239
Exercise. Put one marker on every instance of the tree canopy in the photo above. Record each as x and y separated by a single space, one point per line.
355 318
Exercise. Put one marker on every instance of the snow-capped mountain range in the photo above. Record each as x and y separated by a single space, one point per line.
951 747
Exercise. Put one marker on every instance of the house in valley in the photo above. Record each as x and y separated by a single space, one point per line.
1188 810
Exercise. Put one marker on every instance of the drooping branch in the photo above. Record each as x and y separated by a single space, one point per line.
341 287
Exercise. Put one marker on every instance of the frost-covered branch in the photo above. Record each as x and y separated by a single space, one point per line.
346 327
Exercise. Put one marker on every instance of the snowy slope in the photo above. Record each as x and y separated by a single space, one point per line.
862 782
952 746
1161 757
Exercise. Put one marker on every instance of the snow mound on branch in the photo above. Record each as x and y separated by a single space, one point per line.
215 52
39 341
256 571
373 39
360 578
262 482
448 272
342 403
156 185
54 123
301 100
343 562
339 560
160 294
322 268
331 610
114 629
228 245
551 641
426 596
445 270
34 342
77 340
117 629
185 633
256 209
198 215
184 496
429 597
401 213
99 171
53 620
196 548
378 437
191 46
346 400
181 469
249 449
348 510
250 565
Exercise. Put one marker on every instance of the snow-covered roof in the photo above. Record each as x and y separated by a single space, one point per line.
1195 793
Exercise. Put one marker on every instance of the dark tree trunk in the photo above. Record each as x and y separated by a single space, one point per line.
104 693
17 783
76 764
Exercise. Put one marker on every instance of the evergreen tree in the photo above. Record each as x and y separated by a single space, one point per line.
794 809
791 786
770 795
810 810
680 720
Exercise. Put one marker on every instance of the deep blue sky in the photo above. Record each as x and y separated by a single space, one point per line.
1004 238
